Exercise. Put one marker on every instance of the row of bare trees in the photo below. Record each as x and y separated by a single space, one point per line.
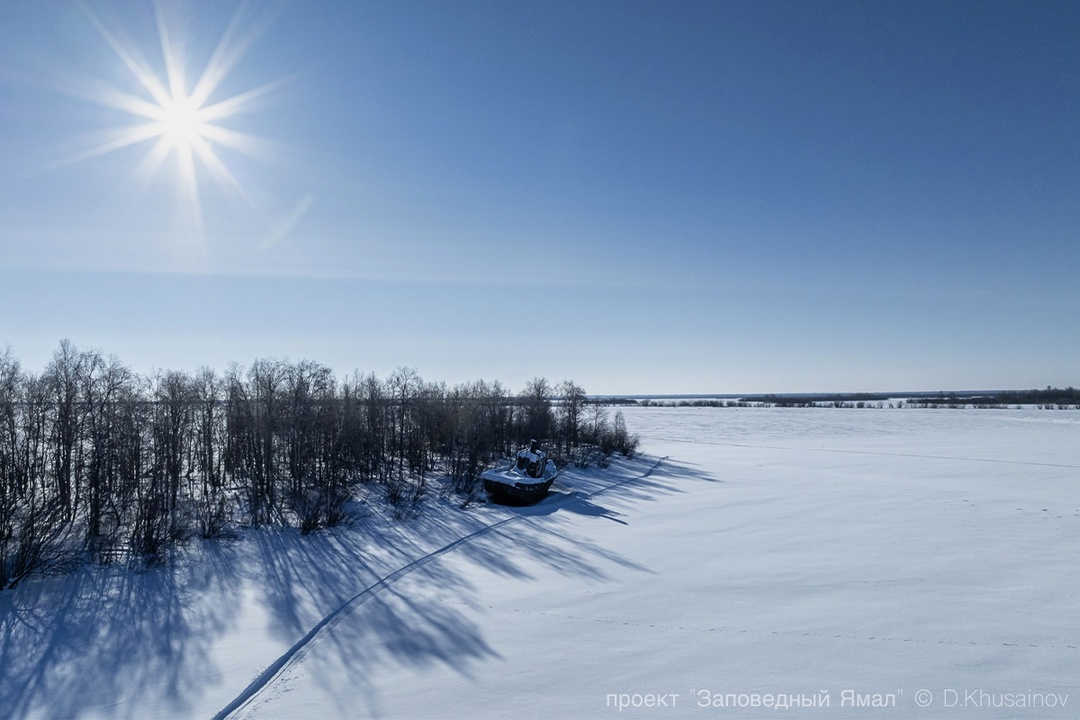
99 463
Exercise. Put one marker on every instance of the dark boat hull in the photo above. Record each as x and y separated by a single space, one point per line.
518 493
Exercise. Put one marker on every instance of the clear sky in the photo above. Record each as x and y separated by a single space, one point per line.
644 197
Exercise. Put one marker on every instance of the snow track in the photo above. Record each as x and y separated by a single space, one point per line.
297 651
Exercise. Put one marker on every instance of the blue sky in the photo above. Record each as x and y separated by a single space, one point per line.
640 196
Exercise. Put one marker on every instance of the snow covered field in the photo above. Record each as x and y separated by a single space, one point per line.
925 560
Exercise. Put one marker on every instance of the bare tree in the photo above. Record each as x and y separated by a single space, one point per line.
571 409
408 483
62 376
210 442
13 484
107 385
265 380
536 402
34 524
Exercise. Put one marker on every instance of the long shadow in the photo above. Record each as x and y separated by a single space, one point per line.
107 641
504 540
91 642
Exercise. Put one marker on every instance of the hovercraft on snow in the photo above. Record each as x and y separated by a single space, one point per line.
526 481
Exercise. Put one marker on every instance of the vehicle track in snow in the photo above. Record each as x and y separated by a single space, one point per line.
295 653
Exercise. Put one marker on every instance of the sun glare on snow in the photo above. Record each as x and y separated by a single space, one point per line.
179 119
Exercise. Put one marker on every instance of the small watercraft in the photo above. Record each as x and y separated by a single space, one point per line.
527 479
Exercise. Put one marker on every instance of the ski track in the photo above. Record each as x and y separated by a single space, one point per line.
296 652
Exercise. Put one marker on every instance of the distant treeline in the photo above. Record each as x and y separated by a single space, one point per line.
825 399
1050 397
846 400
99 463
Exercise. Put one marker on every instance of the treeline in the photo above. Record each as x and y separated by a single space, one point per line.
1050 397
651 402
835 399
101 464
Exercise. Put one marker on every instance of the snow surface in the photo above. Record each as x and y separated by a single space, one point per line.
771 552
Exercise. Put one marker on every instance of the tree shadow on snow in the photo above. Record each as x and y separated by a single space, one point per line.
90 642
578 503
112 642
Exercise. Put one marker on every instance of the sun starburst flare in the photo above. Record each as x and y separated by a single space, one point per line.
181 123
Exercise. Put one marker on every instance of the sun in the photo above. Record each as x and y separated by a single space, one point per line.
182 123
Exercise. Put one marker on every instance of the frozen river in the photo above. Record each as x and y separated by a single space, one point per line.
892 563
